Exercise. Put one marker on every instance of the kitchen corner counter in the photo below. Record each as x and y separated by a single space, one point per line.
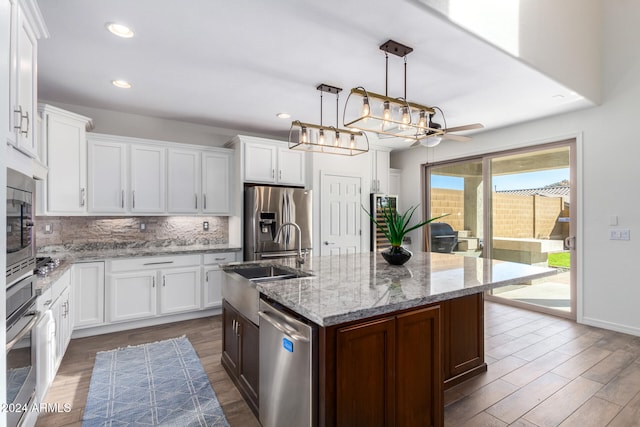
94 253
69 255
358 286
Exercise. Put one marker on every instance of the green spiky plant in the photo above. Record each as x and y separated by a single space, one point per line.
396 225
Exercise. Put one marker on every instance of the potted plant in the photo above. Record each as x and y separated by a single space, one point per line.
394 226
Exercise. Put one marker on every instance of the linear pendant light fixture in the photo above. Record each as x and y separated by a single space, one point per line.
387 116
327 139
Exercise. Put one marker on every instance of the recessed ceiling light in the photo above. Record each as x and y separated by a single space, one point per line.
119 30
283 115
122 84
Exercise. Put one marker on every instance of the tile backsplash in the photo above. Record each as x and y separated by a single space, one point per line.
125 232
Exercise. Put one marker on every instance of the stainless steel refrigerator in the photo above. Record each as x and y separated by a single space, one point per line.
266 208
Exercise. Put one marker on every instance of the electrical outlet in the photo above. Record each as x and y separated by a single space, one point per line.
205 225
143 226
48 228
619 234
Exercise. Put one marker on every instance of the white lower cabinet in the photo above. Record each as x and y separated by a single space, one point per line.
63 315
45 345
133 296
180 290
212 281
88 294
140 288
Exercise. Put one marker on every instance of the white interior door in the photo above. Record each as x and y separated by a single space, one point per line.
340 226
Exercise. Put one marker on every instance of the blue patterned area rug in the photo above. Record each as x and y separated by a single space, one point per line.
155 384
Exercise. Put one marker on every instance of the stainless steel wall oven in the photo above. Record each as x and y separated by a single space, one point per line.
20 235
21 350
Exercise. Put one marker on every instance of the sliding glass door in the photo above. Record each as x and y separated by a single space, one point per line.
514 206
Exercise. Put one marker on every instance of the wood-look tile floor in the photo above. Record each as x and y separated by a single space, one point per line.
543 371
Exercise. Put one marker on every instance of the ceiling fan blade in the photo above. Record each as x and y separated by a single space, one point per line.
453 137
465 127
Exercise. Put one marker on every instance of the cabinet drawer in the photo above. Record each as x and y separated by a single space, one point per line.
219 258
153 263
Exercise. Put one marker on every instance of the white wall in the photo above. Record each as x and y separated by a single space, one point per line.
559 38
125 124
608 174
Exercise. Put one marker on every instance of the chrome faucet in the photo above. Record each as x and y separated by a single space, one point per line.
300 259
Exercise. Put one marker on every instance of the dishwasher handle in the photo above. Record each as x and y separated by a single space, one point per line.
290 332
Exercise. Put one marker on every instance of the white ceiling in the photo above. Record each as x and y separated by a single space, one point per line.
235 64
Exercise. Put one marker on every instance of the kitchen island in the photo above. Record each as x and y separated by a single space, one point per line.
390 339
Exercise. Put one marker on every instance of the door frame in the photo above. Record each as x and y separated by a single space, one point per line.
576 219
364 237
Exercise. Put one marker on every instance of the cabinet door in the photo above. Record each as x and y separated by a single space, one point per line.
88 294
67 162
212 287
419 369
380 171
365 381
45 353
107 169
463 335
290 166
230 347
180 290
24 110
62 314
249 359
216 185
132 296
147 179
183 183
259 163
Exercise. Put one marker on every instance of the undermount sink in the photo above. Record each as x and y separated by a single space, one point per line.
258 274
239 285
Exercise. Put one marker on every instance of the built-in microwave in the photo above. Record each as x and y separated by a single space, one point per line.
20 233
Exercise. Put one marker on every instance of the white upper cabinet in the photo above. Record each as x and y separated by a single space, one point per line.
290 166
379 171
107 181
183 183
26 28
147 179
260 162
65 151
271 162
216 183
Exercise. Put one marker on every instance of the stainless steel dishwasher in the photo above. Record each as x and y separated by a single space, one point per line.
287 370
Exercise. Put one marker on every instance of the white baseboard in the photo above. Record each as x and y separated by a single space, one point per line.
160 320
611 326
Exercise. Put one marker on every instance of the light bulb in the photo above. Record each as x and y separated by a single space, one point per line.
304 137
386 114
321 137
422 121
336 143
352 141
406 118
366 109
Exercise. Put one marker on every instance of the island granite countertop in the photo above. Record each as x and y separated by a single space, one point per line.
358 286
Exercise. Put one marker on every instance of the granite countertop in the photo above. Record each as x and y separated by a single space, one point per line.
69 255
358 286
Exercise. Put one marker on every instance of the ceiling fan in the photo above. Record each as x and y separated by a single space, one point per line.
445 133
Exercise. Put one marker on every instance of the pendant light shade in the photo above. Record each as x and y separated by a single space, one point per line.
385 115
327 139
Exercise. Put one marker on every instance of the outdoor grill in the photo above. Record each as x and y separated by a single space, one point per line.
443 238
